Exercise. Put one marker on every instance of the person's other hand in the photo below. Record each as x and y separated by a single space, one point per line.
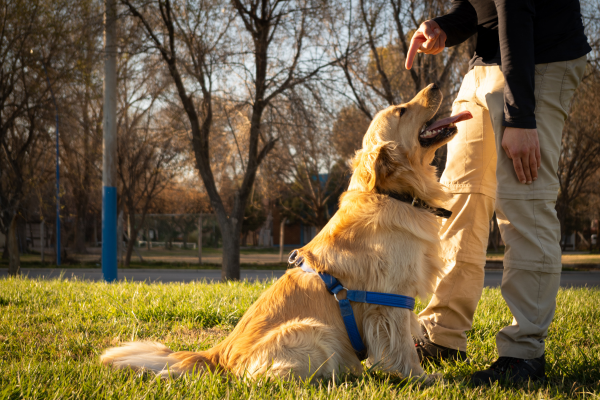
523 147
428 39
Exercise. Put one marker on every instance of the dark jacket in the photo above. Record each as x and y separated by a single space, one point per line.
517 34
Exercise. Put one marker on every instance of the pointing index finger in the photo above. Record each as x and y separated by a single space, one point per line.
417 40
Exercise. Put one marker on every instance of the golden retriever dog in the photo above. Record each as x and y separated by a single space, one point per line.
374 242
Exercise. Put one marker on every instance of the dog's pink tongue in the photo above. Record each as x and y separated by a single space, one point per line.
461 116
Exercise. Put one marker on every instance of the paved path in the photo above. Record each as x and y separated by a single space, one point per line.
187 258
493 278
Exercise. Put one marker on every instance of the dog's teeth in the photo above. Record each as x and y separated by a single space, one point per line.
427 134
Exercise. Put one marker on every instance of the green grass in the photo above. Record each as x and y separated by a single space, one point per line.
52 333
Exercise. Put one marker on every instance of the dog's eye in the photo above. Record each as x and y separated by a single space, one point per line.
402 110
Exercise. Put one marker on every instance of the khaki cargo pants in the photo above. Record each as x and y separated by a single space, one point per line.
482 180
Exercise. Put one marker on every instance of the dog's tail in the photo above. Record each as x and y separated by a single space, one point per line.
157 358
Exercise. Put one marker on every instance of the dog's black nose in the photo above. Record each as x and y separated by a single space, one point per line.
433 86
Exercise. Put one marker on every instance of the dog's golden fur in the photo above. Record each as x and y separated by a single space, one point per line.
373 243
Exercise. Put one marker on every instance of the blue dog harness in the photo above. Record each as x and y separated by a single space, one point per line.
334 287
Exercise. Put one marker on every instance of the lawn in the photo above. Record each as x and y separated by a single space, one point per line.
52 332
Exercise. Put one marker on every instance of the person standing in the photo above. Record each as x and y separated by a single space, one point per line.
529 59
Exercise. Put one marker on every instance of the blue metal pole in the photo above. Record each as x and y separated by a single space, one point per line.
109 145
109 233
57 169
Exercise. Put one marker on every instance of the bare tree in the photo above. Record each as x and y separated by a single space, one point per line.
81 122
145 158
24 102
580 156
147 149
371 40
306 163
377 77
579 160
185 203
190 39
348 131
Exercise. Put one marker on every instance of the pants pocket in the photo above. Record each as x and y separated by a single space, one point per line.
574 70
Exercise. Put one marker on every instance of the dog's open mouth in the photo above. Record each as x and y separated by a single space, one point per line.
441 129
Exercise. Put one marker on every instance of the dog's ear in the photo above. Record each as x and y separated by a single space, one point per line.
385 165
373 166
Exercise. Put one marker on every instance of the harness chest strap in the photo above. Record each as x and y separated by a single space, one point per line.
334 287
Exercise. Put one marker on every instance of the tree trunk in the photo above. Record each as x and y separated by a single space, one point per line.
22 238
321 218
200 239
496 233
562 210
14 261
42 241
138 254
130 241
79 245
32 239
55 244
130 249
231 231
63 243
493 234
120 238
598 233
281 238
95 237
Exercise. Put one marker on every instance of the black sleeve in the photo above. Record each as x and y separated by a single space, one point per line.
459 24
515 30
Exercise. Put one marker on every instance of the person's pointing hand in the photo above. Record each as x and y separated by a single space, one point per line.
428 39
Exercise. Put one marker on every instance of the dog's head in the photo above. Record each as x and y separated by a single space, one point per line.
399 147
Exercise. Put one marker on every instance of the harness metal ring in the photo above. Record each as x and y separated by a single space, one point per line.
292 257
335 294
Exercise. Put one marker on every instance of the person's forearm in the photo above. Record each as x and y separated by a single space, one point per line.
459 24
515 29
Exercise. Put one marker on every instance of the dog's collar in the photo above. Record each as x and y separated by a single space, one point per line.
415 202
